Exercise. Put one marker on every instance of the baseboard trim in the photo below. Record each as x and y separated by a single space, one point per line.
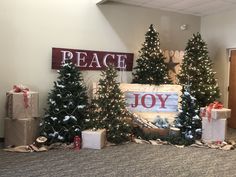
1 140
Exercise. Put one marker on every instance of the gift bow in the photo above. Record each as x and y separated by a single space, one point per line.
214 105
25 91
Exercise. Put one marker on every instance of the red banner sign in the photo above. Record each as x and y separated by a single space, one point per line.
92 60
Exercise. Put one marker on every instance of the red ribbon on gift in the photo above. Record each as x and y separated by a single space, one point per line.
203 112
214 105
25 91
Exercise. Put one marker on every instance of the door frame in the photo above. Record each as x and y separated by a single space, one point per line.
228 51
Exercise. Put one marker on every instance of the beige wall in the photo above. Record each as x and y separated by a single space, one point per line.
219 32
30 28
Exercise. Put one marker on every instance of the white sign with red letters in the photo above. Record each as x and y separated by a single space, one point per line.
149 101
152 101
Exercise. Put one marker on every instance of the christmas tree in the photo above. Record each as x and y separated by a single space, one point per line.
151 68
197 72
188 120
67 103
108 109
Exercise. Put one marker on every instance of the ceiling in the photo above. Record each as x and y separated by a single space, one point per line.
194 7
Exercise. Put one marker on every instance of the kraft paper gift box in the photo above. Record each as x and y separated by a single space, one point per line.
220 113
16 106
213 130
21 131
223 113
94 139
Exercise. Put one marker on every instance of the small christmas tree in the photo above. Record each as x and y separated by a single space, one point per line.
108 109
188 120
151 68
67 103
198 73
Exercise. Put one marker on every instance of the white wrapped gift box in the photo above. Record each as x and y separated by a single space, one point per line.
213 130
94 139
223 113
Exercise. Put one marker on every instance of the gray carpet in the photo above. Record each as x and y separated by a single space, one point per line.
126 160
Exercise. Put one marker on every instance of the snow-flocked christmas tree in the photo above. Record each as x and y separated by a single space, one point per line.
108 109
197 72
67 104
151 68
188 120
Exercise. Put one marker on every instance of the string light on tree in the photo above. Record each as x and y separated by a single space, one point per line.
188 120
151 68
108 109
67 102
197 72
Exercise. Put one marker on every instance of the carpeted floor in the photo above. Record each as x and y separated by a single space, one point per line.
126 160
130 160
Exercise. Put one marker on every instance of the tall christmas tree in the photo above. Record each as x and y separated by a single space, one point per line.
151 68
188 120
67 103
197 72
108 109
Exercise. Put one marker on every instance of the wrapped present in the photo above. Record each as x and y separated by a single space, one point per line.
203 112
207 111
94 139
215 130
18 107
222 113
21 131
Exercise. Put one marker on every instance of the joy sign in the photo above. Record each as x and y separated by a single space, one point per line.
152 101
